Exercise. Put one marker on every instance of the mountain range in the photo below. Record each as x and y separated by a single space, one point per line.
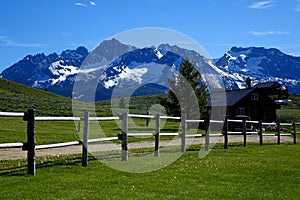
115 69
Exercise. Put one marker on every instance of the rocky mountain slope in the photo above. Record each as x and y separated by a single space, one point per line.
114 65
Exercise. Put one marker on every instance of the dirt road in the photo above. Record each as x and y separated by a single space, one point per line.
14 154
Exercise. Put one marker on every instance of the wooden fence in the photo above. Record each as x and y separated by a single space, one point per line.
31 147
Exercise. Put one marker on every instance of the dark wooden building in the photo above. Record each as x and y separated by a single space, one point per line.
254 102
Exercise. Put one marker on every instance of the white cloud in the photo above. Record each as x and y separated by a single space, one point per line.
261 4
263 33
4 41
92 3
80 4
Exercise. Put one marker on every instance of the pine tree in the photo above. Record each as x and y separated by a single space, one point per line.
185 90
122 103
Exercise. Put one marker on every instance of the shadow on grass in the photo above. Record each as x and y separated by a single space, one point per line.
44 162
198 147
19 167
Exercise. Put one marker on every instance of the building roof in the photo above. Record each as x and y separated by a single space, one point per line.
268 85
227 97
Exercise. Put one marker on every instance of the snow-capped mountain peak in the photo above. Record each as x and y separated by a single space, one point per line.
113 64
261 65
141 66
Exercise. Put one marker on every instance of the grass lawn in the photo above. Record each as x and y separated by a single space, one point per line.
255 172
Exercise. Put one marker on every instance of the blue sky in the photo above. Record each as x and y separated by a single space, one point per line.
35 26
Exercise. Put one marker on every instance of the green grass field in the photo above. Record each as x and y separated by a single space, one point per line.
255 172
290 113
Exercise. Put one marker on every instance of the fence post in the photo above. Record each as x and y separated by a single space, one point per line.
85 139
124 136
207 130
260 132
226 134
157 136
245 132
78 127
147 120
278 131
294 133
183 132
29 116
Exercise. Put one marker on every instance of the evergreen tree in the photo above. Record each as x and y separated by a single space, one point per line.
187 92
122 103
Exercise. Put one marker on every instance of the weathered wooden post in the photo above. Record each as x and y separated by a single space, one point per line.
294 133
260 132
85 139
157 134
226 134
78 127
244 132
183 132
147 120
278 131
29 116
207 132
124 138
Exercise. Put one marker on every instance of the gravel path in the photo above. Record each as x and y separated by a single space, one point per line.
14 154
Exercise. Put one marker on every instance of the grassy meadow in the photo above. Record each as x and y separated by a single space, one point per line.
290 113
256 172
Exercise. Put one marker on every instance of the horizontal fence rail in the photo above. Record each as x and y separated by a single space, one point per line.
269 124
155 132
216 121
140 134
11 145
57 145
11 114
103 118
194 121
57 119
142 116
168 117
97 140
169 134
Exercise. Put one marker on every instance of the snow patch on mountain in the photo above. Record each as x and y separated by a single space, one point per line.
143 73
158 54
61 71
126 75
242 61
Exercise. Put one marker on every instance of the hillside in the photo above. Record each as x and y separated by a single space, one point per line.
17 97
